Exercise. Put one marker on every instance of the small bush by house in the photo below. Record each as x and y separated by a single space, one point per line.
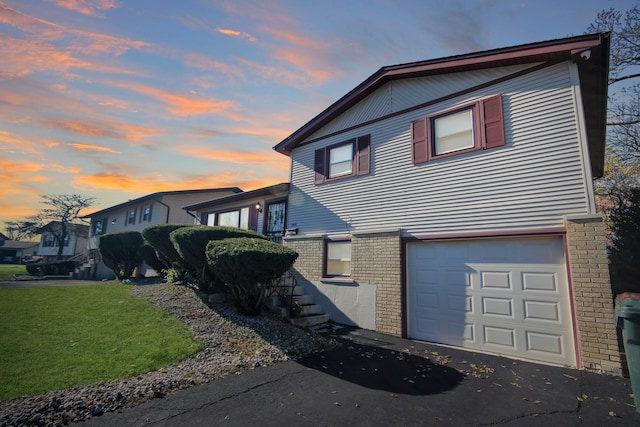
121 252
191 243
249 266
158 237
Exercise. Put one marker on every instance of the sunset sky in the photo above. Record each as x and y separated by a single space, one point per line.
116 99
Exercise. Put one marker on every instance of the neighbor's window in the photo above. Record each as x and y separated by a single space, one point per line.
470 127
146 213
48 240
348 158
132 217
238 218
338 258
99 227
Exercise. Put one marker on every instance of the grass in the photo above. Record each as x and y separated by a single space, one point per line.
61 337
8 270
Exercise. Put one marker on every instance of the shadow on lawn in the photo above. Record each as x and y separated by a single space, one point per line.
369 364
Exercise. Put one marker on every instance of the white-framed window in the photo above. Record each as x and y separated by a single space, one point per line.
48 241
100 226
132 217
453 132
146 214
341 160
237 218
338 258
474 126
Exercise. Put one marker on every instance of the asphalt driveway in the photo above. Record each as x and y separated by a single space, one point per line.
375 379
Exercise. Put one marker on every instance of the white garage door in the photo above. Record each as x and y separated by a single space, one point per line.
503 296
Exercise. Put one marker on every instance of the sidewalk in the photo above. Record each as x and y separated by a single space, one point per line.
375 379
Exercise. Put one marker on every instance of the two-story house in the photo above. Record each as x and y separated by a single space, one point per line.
157 208
451 200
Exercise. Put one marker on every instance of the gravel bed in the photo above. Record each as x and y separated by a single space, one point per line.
233 343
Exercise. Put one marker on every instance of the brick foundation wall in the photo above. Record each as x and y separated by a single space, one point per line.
376 258
593 301
310 257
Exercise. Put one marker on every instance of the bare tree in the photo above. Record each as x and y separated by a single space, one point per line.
623 123
59 215
14 231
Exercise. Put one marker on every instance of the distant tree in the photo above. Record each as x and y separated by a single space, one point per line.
13 231
59 212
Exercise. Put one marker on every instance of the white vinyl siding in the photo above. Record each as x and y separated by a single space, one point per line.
530 183
402 94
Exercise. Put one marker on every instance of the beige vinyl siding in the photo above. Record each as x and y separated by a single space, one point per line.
528 184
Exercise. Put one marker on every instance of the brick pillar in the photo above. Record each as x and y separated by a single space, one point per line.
376 259
593 300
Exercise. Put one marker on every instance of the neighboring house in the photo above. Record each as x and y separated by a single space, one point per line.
137 214
75 244
12 251
262 210
451 201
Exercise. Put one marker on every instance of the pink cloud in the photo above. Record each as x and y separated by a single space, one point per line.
86 7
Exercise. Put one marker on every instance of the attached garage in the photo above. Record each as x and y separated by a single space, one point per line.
503 296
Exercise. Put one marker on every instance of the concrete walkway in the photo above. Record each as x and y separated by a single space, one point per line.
375 379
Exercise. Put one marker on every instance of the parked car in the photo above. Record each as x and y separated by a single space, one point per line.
28 259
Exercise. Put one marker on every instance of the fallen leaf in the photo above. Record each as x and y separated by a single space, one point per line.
338 404
570 377
395 396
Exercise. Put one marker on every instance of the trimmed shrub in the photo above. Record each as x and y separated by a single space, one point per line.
121 252
249 266
191 244
624 250
158 237
150 257
56 268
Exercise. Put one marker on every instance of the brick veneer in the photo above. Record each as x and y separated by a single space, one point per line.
375 258
592 296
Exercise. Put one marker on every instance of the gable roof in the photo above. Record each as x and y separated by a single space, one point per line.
593 73
281 189
160 195
3 237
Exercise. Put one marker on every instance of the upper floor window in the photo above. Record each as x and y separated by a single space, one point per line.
348 158
48 241
132 217
146 213
100 226
468 128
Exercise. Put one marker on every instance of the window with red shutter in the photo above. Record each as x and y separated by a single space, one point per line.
453 132
343 160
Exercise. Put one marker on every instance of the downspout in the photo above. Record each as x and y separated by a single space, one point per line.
194 217
168 209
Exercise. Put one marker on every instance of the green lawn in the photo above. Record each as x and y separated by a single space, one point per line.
60 337
8 270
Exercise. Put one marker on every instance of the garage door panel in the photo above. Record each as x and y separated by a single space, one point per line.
502 307
536 281
546 344
495 279
506 296
503 337
542 310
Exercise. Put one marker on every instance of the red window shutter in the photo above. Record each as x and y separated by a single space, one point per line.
364 155
493 122
319 166
419 140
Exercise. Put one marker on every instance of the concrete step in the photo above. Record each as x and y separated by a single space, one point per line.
302 299
310 310
286 290
306 322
